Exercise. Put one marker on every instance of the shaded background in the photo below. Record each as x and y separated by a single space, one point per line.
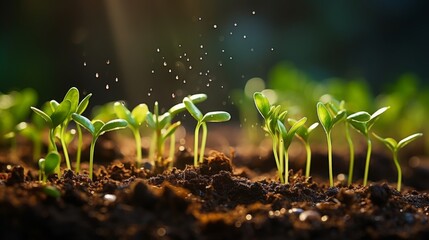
142 51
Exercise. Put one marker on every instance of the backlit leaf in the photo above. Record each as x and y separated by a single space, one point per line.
216 116
408 139
324 117
51 162
84 122
61 113
139 113
262 104
192 109
113 125
83 104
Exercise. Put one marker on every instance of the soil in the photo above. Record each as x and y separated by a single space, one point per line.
221 199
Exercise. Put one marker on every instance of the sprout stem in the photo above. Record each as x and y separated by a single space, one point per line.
331 175
286 166
138 140
281 157
172 148
352 154
64 145
276 157
196 136
91 157
398 167
368 159
152 148
308 150
203 141
79 148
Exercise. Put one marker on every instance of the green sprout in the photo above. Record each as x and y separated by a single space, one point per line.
328 119
394 146
48 165
96 129
215 116
274 126
362 122
303 133
135 119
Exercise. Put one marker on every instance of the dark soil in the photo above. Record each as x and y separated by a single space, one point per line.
214 201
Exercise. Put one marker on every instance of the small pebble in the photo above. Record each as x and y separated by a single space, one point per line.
309 215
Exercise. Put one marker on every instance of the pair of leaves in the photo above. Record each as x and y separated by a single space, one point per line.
287 136
49 163
134 118
303 132
215 116
271 114
393 145
195 98
98 127
363 121
328 118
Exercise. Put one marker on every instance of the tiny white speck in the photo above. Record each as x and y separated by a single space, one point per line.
107 86
96 75
215 26
158 50
153 71
230 58
165 64
235 24
253 12
108 62
116 79
199 19
84 64
190 67
177 77
180 45
244 36
272 49
201 46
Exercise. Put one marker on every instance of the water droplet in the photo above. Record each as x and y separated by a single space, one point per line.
206 53
96 75
201 46
184 54
215 26
199 19
148 94
230 33
230 58
208 85
84 64
220 64
201 58
116 79
158 50
272 49
180 45
252 49
184 81
165 64
253 12
187 60
177 77
153 71
108 62
244 36
235 24
223 50
107 86
210 79
169 70
150 89
221 86
173 95
200 73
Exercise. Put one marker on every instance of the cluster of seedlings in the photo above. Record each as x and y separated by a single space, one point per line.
58 116
329 113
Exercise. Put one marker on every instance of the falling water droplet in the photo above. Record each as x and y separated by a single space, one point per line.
235 24
253 12
272 49
173 95
153 71
244 36
230 58
201 58
252 49
108 62
223 50
230 33
187 60
184 81
180 45
184 54
200 73
116 79
221 86
199 19
165 64
215 26
190 67
96 75
107 86
84 64
208 85
177 77
148 94
158 50
201 46
169 70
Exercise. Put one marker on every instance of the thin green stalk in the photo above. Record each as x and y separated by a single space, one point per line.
52 139
352 154
91 157
196 136
64 145
203 141
276 157
331 175
368 159
152 148
308 150
79 148
398 167
286 166
281 156
159 147
138 140
172 148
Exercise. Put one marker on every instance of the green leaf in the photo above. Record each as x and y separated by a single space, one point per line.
125 114
282 116
408 139
300 123
139 113
324 117
98 124
216 116
199 97
359 116
388 142
112 125
282 129
61 113
83 104
84 122
192 109
54 105
338 117
164 120
262 104
42 115
375 116
51 162
312 127
196 98
170 130
359 126
73 96
42 164
150 120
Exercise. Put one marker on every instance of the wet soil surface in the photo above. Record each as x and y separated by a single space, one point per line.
214 201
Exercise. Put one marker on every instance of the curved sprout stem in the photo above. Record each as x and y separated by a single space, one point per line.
196 136
368 159
281 157
79 148
138 140
308 151
91 157
64 146
286 166
352 154
398 167
331 175
276 157
203 141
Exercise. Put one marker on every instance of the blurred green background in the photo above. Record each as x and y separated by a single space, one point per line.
142 51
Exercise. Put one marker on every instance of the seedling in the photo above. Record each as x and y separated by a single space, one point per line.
394 146
303 133
96 129
328 119
48 165
135 119
274 126
362 122
216 116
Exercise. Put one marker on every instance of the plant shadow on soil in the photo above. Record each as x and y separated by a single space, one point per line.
218 200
